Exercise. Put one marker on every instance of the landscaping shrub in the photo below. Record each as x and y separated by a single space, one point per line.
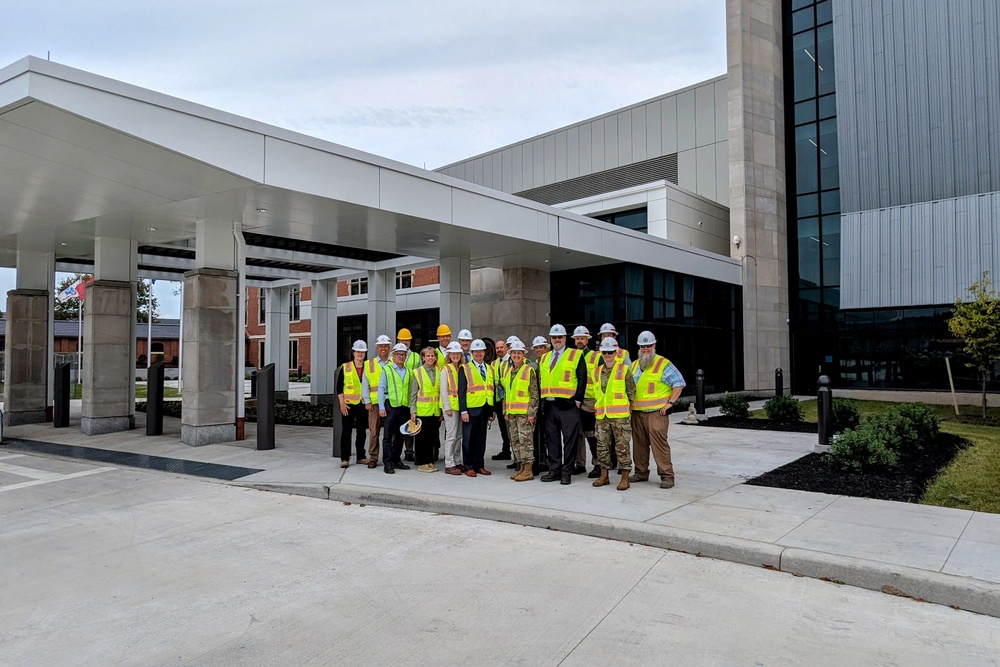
734 406
845 415
783 409
924 421
865 449
896 430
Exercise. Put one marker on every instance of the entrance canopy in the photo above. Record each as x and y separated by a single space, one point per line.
83 156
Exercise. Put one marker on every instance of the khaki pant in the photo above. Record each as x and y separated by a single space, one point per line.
649 431
374 428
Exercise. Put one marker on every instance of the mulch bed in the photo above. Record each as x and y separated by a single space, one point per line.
759 425
905 482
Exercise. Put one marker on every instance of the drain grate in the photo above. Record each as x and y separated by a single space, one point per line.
182 466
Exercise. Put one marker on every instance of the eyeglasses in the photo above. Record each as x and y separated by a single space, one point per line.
607 352
646 347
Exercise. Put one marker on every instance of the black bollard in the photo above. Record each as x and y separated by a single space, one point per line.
253 384
699 392
779 382
265 407
154 399
338 419
60 407
825 409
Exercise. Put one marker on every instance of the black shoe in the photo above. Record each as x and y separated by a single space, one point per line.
502 456
550 477
399 465
566 479
388 470
408 457
579 470
512 466
595 473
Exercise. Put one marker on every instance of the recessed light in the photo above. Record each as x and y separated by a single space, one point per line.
430 240
63 243
262 210
152 229
546 261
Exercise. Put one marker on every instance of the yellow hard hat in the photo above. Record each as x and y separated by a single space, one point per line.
444 330
404 334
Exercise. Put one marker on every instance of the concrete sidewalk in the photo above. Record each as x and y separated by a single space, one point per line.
937 554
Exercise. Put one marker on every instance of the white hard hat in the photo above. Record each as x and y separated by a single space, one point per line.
400 347
477 345
557 330
647 338
540 341
465 334
609 345
453 347
607 327
581 331
359 346
511 339
517 346
383 340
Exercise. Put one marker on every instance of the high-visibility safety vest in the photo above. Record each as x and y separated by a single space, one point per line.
478 392
398 388
517 384
373 371
452 371
612 401
621 355
651 392
558 382
428 396
593 360
352 384
412 360
442 358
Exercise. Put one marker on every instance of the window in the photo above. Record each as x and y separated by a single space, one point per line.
260 354
358 286
293 354
157 348
262 306
635 219
294 308
404 279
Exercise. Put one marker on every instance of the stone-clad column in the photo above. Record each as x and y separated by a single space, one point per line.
757 183
381 305
323 343
276 338
456 284
25 390
510 301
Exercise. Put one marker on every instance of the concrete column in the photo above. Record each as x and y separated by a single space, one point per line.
109 339
510 301
323 341
27 392
276 338
456 284
757 183
381 304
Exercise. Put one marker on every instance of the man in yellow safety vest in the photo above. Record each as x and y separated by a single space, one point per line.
369 394
476 387
658 385
562 383
581 340
394 407
412 361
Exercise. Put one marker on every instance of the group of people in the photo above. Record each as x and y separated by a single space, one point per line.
568 400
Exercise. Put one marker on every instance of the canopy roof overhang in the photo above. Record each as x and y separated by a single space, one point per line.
84 156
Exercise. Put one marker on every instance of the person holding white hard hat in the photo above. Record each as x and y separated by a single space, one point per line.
425 404
394 407
369 394
658 385
352 408
562 383
476 393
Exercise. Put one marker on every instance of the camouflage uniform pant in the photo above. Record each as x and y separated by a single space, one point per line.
521 438
621 431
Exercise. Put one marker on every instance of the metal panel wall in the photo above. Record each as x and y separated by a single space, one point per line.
918 89
918 255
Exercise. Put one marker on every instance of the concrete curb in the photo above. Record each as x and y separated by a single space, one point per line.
961 592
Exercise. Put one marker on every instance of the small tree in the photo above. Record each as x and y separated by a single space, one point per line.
68 310
977 322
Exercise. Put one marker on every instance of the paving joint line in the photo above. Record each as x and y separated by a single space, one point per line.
955 545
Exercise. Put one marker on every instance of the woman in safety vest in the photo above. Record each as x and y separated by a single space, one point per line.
352 407
425 403
614 392
521 396
449 403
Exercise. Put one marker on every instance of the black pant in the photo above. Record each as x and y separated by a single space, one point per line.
356 418
504 434
588 422
392 439
562 426
474 438
427 440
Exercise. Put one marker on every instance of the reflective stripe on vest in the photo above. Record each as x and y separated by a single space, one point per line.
373 371
519 390
593 362
478 392
398 388
612 401
428 396
442 358
352 384
559 382
412 361
651 392
452 371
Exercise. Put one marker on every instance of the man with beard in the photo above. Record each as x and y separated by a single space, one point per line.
562 381
658 385
588 422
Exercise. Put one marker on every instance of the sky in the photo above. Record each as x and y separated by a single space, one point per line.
423 82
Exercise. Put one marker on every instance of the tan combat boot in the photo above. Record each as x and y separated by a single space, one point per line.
623 483
603 479
524 474
517 471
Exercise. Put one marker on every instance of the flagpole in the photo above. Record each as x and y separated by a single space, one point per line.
79 339
180 345
149 327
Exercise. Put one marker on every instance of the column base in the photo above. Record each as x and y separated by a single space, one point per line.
323 399
821 449
24 417
281 395
102 425
198 436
